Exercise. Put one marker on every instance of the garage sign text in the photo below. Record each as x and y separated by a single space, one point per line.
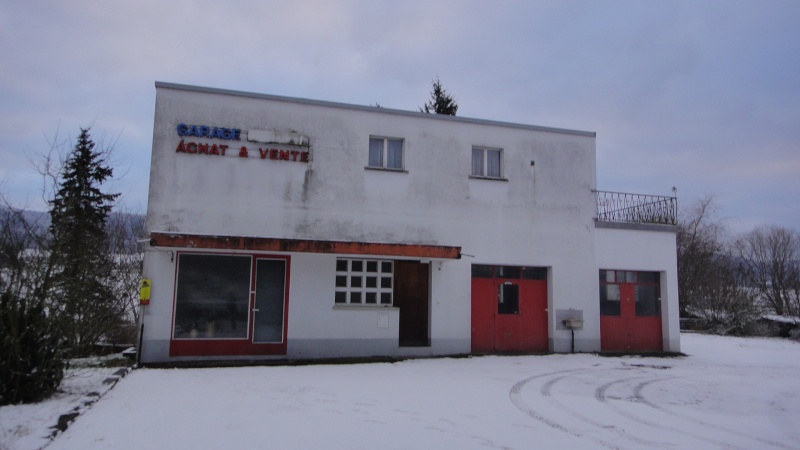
209 132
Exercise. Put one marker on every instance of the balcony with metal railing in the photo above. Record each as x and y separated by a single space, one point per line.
635 209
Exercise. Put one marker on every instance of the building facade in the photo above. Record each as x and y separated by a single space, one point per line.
285 228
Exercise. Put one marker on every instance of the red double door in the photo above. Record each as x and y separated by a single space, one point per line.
630 312
509 315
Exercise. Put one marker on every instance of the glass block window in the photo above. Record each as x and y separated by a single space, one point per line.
364 282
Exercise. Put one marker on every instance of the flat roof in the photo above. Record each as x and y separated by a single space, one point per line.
374 109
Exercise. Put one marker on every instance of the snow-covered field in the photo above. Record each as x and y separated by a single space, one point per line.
728 393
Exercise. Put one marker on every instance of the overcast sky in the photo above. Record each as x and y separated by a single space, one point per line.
700 95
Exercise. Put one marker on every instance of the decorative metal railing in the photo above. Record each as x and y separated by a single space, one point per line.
636 208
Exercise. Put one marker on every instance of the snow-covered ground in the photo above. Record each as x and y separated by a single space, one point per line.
728 393
29 427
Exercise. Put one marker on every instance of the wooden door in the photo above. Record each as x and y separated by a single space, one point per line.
411 295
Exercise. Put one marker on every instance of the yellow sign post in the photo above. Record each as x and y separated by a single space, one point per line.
144 291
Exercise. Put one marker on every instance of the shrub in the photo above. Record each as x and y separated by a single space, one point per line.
31 352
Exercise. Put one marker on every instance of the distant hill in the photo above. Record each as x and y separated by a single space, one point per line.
133 223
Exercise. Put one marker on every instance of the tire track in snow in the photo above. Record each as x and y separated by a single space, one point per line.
515 394
637 394
546 392
600 395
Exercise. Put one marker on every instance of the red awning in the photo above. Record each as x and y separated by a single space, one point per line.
258 244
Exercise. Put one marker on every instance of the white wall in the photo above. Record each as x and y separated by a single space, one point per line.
335 198
318 329
653 251
541 216
159 267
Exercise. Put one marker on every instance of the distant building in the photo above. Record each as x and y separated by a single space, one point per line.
285 228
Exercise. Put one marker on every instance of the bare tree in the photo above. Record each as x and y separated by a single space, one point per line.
124 231
710 283
770 264
723 301
700 244
23 265
31 342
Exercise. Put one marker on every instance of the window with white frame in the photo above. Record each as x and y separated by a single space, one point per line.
487 162
364 282
385 153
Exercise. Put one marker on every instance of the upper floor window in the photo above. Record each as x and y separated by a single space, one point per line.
487 162
386 153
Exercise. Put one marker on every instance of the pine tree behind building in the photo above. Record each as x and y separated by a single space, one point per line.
441 102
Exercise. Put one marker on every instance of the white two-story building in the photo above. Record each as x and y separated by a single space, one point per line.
285 228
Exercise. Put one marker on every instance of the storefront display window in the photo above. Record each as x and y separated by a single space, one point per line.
212 298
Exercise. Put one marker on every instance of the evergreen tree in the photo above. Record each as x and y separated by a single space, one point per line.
82 294
441 102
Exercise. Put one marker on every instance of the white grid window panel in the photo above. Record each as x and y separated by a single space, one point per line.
364 282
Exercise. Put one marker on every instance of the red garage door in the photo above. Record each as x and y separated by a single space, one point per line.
509 309
630 311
